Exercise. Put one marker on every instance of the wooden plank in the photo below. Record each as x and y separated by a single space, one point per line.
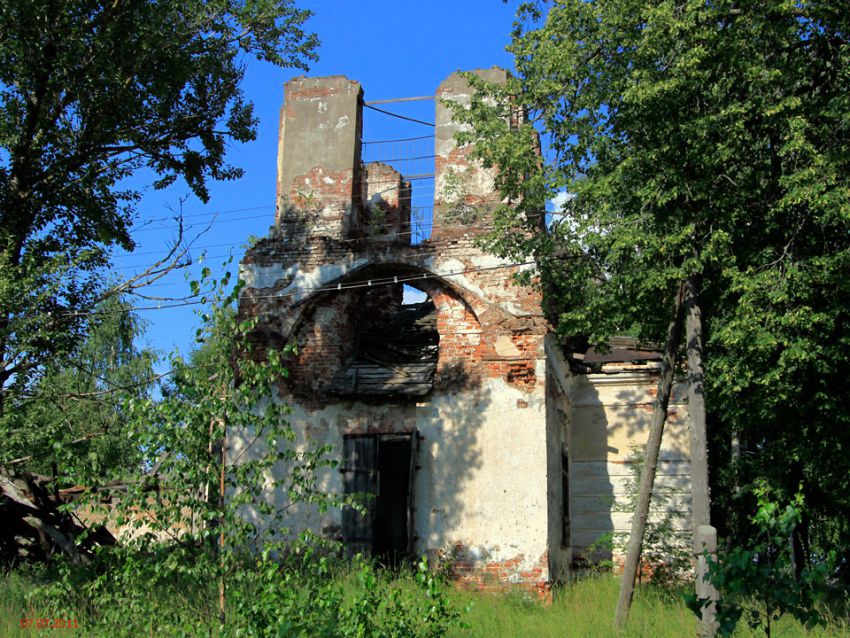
359 477
411 490
607 469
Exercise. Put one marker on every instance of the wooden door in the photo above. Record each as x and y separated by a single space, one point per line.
411 491
360 476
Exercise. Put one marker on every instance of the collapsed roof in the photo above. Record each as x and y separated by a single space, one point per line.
395 355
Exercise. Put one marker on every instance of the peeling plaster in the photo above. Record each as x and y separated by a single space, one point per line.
301 284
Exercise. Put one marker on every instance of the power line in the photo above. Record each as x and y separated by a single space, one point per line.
418 98
433 253
424 227
421 193
401 117
346 240
146 228
367 283
401 139
404 159
209 214
403 178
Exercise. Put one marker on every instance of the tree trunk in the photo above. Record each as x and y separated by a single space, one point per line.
696 408
700 501
653 446
221 487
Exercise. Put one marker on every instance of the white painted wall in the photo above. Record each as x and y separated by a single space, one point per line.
610 421
482 477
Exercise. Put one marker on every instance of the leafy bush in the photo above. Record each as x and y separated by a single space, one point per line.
207 551
758 583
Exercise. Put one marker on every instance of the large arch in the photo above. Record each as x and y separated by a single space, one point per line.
302 289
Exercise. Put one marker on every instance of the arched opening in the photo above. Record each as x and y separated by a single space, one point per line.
385 332
395 346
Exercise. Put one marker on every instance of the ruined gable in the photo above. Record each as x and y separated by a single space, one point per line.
446 409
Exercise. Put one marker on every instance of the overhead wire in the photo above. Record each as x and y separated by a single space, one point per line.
366 283
211 214
404 159
401 117
229 220
396 100
424 229
386 236
147 228
400 139
344 240
421 193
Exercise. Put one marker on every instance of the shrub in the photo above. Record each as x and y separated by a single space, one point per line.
758 582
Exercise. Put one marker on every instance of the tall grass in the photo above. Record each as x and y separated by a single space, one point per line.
583 609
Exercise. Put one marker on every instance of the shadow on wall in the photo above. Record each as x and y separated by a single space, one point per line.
450 458
611 420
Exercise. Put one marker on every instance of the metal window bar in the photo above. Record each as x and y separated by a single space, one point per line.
414 159
409 149
410 156
421 223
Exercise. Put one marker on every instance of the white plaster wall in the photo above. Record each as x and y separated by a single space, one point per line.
610 420
297 283
482 477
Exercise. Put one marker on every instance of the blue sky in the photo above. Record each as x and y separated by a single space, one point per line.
394 49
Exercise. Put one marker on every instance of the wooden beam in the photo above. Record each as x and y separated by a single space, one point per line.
650 463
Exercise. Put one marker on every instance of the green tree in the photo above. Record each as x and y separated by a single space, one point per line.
73 417
758 582
705 143
92 92
208 543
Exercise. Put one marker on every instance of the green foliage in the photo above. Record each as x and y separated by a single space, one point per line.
581 609
186 543
458 212
181 532
705 141
305 594
224 395
93 93
377 224
758 582
381 610
73 416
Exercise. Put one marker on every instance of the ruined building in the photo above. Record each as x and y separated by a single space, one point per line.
479 439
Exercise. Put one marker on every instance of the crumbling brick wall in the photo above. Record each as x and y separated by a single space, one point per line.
482 482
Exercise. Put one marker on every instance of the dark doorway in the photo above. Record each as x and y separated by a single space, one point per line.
381 467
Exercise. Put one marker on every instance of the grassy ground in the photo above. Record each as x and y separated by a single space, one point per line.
584 608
